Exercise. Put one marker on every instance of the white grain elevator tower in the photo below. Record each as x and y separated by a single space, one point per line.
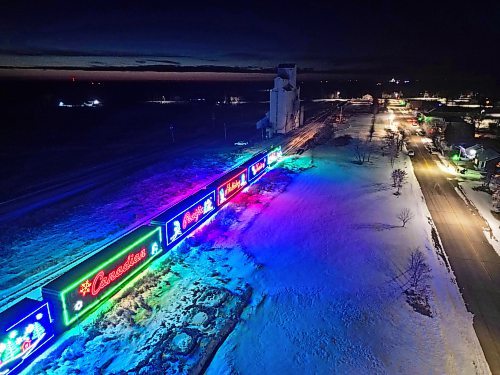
285 112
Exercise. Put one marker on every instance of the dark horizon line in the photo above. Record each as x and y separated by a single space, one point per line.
203 72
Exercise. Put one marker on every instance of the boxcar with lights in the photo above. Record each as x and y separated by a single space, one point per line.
257 166
184 217
274 155
26 329
229 185
95 280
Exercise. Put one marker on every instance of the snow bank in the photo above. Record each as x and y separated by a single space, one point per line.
482 202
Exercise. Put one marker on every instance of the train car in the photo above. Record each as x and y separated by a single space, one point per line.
28 327
184 217
274 155
26 330
227 186
257 166
95 280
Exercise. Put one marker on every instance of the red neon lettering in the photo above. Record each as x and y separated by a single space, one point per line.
192 217
257 167
233 185
101 281
26 345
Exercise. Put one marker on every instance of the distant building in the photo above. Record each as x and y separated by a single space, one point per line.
285 112
470 152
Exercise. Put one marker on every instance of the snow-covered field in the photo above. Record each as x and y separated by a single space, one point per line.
329 297
316 254
178 313
58 235
482 201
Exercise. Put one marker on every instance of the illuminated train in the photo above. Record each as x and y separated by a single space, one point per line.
30 326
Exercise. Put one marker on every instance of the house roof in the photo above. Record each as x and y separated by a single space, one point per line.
487 154
474 147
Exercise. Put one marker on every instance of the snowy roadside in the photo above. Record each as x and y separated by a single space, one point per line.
333 276
482 202
479 200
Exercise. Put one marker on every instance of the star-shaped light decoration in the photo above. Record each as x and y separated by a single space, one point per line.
85 288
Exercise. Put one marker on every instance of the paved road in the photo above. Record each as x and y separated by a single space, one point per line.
475 263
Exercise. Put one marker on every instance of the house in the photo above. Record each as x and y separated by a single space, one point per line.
469 152
486 160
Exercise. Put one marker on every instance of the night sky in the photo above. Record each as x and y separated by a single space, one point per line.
379 38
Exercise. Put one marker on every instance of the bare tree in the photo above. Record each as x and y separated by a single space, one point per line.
487 179
372 128
398 178
360 150
393 154
419 273
389 138
369 151
394 176
405 216
392 144
417 286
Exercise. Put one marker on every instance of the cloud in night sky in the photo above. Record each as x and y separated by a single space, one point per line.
376 37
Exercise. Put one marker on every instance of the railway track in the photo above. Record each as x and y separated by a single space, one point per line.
289 147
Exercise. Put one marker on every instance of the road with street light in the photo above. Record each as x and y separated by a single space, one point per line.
473 260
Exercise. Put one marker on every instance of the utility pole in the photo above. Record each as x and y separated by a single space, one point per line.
172 133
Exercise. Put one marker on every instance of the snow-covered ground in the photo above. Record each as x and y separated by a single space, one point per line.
482 201
316 253
58 235
329 296
177 314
